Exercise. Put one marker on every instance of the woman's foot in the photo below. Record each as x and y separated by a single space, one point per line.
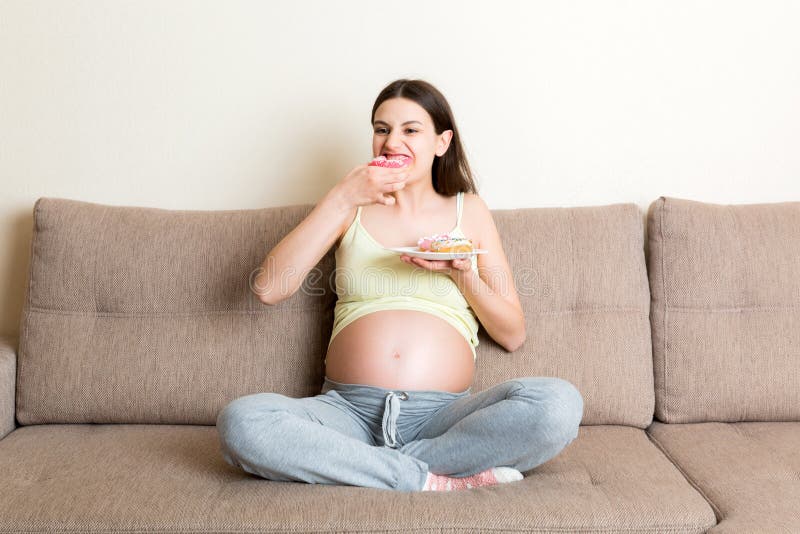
490 477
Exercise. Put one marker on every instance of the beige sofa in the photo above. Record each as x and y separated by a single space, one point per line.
139 326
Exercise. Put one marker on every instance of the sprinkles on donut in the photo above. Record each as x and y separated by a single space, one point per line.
444 243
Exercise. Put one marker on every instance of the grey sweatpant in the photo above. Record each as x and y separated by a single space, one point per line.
360 435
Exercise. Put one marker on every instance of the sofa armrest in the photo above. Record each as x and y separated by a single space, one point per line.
8 382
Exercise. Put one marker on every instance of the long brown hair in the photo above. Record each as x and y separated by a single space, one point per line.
451 171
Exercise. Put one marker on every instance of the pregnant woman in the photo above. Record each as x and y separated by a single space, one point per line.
396 409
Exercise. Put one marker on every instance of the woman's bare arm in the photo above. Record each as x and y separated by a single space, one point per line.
286 266
490 291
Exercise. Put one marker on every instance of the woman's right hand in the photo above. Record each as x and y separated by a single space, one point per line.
367 184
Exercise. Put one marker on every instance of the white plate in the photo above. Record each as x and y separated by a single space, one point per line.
412 251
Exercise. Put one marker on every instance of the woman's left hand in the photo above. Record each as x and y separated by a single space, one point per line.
460 265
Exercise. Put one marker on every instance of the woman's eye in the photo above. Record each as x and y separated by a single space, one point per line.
381 130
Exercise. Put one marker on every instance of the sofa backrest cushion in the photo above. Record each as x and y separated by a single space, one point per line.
725 285
145 315
582 279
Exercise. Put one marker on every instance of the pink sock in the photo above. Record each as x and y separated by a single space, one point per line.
490 477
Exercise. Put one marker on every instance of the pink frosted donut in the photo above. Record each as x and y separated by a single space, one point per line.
454 244
444 243
425 243
395 162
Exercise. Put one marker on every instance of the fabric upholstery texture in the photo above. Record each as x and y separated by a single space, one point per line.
139 325
145 315
8 378
725 283
725 290
748 471
172 478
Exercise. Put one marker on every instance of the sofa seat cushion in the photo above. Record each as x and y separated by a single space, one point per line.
749 471
173 478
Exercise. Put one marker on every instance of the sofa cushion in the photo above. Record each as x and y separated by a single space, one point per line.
582 280
145 315
8 378
725 284
172 478
747 471
137 315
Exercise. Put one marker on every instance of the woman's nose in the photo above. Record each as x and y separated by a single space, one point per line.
393 141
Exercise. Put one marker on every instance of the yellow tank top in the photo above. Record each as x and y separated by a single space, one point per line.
370 278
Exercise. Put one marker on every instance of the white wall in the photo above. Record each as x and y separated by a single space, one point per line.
245 104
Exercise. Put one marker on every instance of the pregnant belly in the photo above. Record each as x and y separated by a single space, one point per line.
401 349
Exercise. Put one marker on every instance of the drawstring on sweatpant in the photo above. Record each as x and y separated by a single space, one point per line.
391 411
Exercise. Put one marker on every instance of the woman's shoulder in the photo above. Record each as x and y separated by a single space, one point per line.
472 198
475 217
475 206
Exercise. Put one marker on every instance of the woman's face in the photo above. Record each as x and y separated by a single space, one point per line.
401 126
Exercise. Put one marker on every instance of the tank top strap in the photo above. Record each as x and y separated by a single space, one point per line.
459 205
